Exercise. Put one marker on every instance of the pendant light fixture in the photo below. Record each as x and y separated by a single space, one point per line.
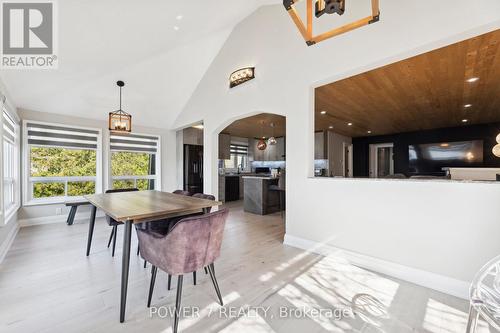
496 149
272 140
262 145
317 8
119 120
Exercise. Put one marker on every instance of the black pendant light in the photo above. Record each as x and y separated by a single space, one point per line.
119 120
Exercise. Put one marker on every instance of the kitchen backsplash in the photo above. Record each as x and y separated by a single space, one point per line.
268 164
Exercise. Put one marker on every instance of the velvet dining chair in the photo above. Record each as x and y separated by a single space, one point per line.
193 243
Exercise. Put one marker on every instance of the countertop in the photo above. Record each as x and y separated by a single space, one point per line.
259 177
246 174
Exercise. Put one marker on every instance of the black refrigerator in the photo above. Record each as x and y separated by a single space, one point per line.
193 168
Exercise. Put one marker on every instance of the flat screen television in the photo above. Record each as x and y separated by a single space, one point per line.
431 158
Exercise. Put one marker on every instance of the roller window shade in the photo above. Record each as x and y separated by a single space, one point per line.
134 143
61 136
9 128
239 149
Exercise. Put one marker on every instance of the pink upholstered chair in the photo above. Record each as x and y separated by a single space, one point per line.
181 192
193 243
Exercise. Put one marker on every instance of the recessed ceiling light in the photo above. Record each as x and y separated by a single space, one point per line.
323 112
330 127
349 124
472 79
176 28
465 120
179 17
369 132
467 105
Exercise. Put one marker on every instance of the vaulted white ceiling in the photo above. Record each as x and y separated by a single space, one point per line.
101 42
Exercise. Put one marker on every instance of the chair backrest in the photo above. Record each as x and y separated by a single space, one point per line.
194 242
206 197
108 218
181 192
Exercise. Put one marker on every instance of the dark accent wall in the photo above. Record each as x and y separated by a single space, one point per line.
485 132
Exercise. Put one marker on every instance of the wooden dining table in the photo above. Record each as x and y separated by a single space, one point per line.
140 207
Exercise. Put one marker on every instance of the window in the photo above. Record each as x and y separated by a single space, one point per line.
63 162
134 161
11 184
238 158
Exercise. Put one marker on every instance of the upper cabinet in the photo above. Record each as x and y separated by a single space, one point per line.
320 146
224 146
193 136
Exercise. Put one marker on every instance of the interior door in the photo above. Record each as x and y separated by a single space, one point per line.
381 160
347 159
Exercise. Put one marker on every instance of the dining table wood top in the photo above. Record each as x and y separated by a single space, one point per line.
143 206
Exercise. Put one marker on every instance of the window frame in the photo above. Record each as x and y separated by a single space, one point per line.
28 199
156 177
14 181
238 149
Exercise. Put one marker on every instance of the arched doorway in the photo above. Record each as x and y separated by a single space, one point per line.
251 165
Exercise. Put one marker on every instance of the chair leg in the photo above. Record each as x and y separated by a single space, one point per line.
178 303
111 236
214 281
194 278
115 228
206 271
472 321
152 284
169 281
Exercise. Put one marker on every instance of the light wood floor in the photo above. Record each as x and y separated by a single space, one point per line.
48 285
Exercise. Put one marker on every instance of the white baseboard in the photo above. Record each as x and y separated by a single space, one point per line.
6 244
423 278
84 217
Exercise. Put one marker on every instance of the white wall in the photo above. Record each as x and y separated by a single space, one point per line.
446 228
45 213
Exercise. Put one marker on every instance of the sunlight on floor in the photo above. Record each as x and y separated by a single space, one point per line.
442 318
185 323
251 323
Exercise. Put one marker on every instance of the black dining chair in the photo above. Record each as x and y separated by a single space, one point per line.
114 223
193 243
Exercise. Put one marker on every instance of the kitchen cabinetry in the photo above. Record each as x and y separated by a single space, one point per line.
271 153
320 146
280 149
193 136
224 146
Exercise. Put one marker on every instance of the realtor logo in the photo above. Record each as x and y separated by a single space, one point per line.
28 35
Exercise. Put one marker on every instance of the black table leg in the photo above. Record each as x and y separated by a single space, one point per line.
71 215
125 268
91 228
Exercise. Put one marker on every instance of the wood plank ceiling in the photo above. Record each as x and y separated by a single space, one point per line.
424 92
258 126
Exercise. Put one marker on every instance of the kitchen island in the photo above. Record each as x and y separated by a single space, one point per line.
257 198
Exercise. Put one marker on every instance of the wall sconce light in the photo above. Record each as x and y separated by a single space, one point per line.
320 7
241 76
119 120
